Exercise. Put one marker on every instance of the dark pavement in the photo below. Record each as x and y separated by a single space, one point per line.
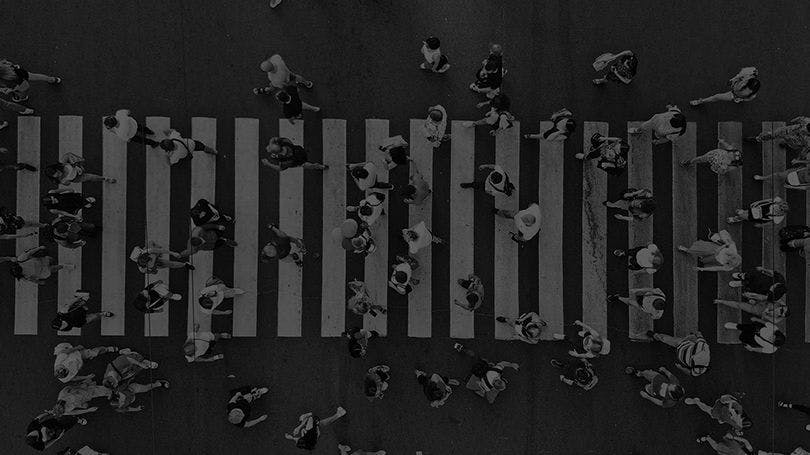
183 59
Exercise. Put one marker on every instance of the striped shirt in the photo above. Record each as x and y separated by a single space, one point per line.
693 355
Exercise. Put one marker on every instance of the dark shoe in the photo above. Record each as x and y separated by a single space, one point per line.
500 319
189 266
467 185
56 80
26 167
613 298
619 253
750 139
306 84
384 186
17 98
686 163
228 219
651 334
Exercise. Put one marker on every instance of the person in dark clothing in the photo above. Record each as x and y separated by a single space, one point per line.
794 238
576 372
75 314
65 201
284 155
611 151
10 222
17 166
306 434
760 284
489 77
239 406
207 237
283 247
619 67
292 104
152 298
205 212
70 231
796 407
358 340
46 429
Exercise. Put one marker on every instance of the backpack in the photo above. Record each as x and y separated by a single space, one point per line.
699 350
792 232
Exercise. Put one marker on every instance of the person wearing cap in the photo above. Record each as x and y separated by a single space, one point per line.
402 279
474 295
127 128
152 298
649 300
75 397
395 149
376 382
436 387
153 257
240 403
762 213
586 342
124 396
435 127
417 189
280 75
283 247
418 237
213 294
435 61
665 127
759 335
496 183
70 359
563 125
207 237
75 314
358 340
198 345
177 147
717 255
663 388
370 208
692 353
527 222
527 326
726 409
284 154
205 212
576 372
365 176
361 302
642 258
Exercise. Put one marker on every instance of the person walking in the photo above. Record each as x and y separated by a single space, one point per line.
122 398
717 255
640 259
402 279
16 81
283 247
729 445
213 294
586 343
652 301
71 169
178 147
47 428
489 78
365 176
75 314
419 236
563 125
576 372
66 201
123 369
153 257
396 151
306 434
127 128
71 231
611 152
10 223
795 137
619 67
199 344
724 158
435 126
794 237
486 378
34 265
527 327
239 406
285 155
692 353
293 106
527 222
772 311
726 410
86 450
759 335
499 118
358 340
663 388
665 126
474 292
435 61
14 166
762 213
75 397
205 212
417 189
638 204
743 87
792 179
70 360
370 208
437 388
376 382
361 302
496 183
760 284
279 74
207 237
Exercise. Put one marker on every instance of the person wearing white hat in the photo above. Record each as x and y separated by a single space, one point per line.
527 222
418 237
70 359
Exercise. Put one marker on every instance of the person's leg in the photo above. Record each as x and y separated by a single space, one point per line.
92 317
701 405
745 306
473 185
317 166
503 213
14 107
725 96
667 339
338 414
87 177
801 408
37 77
309 107
714 444
777 175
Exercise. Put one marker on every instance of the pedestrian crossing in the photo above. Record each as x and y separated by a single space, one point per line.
464 250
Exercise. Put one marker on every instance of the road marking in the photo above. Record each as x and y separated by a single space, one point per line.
639 233
594 234
26 293
729 198
203 185
506 295
462 205
333 259
419 301
773 160
70 141
684 207
290 220
114 252
246 225
158 205
376 264
550 238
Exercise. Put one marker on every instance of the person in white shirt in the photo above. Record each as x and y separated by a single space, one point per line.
214 293
70 359
198 344
178 147
365 176
497 181
280 76
435 127
743 87
649 300
642 259
527 222
124 126
402 279
762 213
758 335
418 237
370 208
435 61
665 127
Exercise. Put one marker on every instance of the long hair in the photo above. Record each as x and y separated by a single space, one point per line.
7 73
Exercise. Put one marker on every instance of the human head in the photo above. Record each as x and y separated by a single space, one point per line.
678 121
496 177
60 228
365 210
490 65
408 192
582 374
753 85
499 384
167 145
495 49
236 416
676 392
432 43
54 172
533 331
659 304
356 350
657 260
359 173
59 324
737 158
268 252
528 219
434 392
206 302
782 207
109 382
411 235
436 115
358 243
472 298
49 200
110 121
370 387
188 348
283 97
60 372
400 277
267 66
143 259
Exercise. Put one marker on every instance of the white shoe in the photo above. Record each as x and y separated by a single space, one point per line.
176 297
633 130
274 3
467 124
340 412
730 325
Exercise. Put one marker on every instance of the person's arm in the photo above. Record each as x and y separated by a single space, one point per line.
221 312
668 374
76 412
505 364
566 380
651 399
130 409
487 167
255 421
587 355
28 254
714 268
594 333
17 236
